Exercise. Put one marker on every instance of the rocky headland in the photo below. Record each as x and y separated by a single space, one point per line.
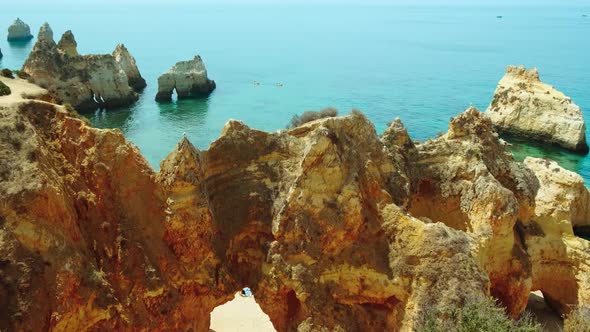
188 78
19 31
333 227
526 107
129 66
86 82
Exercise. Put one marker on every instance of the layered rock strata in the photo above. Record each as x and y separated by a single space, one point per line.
526 107
19 31
84 81
129 66
467 180
188 78
68 45
560 260
333 227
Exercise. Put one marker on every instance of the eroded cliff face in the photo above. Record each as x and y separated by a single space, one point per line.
524 106
84 81
188 78
560 260
467 180
19 31
129 66
329 224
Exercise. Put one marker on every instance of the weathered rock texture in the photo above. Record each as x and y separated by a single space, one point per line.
466 180
68 44
560 260
188 78
524 106
316 220
19 31
85 81
563 195
127 62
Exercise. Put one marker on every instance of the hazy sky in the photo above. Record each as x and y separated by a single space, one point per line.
392 2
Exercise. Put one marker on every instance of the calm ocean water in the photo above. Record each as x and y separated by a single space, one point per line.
422 64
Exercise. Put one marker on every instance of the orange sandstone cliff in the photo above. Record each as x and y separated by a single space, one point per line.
333 227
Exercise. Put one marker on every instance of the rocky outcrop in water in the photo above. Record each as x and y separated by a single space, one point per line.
526 107
188 78
333 227
129 66
19 31
84 81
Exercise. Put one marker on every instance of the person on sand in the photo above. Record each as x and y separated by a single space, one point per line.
246 292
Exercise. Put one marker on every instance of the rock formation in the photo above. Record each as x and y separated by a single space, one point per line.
525 106
188 78
84 81
560 260
466 180
19 31
68 44
1 55
127 62
333 227
563 195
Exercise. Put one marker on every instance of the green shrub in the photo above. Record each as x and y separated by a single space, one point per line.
6 73
578 320
476 315
4 89
21 74
73 113
309 116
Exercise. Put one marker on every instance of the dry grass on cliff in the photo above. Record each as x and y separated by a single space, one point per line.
4 89
476 315
578 320
74 113
6 73
309 116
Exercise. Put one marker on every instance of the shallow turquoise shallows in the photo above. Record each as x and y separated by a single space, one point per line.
422 64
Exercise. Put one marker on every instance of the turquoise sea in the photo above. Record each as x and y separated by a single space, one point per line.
423 64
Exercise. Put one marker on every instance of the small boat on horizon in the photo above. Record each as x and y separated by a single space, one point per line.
499 16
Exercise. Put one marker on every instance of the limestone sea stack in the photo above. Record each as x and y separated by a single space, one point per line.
128 64
188 78
19 31
526 107
84 81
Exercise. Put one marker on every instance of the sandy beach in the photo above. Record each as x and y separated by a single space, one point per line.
240 314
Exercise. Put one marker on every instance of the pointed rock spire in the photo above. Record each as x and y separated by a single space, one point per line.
129 66
68 44
183 165
397 135
46 34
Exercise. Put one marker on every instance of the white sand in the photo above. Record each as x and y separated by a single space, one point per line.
19 88
240 314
